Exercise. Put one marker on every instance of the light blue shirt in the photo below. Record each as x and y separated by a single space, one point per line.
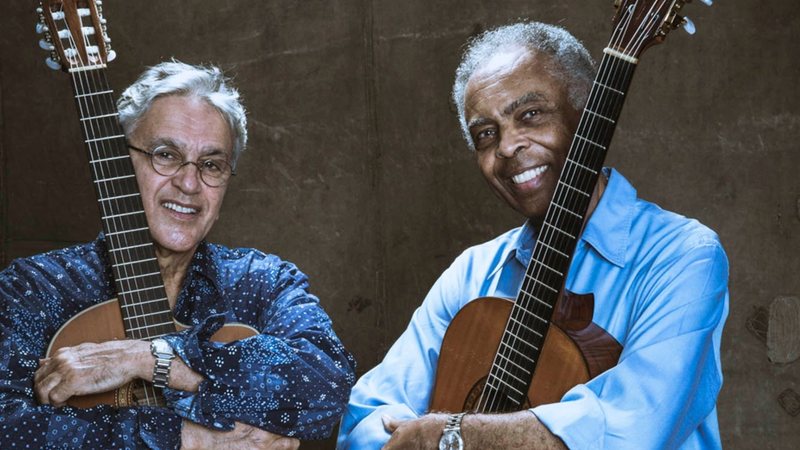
660 288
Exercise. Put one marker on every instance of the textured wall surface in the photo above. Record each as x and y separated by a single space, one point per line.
356 170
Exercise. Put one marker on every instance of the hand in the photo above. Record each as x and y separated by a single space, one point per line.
422 433
518 430
90 368
243 437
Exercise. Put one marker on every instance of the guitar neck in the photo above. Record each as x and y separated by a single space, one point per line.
524 335
140 289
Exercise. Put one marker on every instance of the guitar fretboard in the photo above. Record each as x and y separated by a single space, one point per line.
512 370
140 289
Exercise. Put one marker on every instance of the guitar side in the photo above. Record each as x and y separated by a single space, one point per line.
103 322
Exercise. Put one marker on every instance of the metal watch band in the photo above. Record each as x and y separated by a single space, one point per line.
451 436
164 356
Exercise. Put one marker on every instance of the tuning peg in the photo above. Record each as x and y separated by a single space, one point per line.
112 55
708 2
52 63
41 28
688 25
45 45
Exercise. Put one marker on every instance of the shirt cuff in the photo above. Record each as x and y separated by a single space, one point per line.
159 429
577 419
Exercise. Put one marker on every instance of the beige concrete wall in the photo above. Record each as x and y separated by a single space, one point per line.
356 170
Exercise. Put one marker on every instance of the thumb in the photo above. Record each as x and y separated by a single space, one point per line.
390 423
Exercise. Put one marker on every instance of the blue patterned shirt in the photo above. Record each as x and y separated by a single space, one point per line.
660 289
292 379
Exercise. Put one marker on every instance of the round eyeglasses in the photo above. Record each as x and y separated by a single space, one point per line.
167 161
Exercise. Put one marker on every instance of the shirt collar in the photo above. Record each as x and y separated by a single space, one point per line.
608 230
204 262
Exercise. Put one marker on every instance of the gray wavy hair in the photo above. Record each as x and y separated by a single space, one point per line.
573 62
177 78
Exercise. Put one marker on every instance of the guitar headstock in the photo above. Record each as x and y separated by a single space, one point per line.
640 24
75 34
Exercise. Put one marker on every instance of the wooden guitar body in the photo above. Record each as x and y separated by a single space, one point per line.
575 350
103 322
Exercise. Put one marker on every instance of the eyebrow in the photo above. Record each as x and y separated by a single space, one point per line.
171 143
530 97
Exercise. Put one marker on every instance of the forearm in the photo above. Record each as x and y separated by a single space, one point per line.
519 430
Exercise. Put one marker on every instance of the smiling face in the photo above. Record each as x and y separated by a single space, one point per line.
180 209
522 123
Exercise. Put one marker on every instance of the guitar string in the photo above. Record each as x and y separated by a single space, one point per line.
600 128
81 85
90 110
132 283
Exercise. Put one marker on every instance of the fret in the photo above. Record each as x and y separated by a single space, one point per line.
106 180
573 188
488 381
518 322
144 327
567 210
142 316
146 302
133 291
99 117
519 339
543 243
509 374
605 86
589 141
507 359
589 169
600 116
559 230
503 344
127 231
550 268
130 247
140 276
134 262
108 199
92 94
536 280
93 161
116 136
122 214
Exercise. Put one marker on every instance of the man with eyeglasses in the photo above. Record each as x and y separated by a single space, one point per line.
186 129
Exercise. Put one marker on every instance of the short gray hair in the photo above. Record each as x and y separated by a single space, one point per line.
573 61
177 78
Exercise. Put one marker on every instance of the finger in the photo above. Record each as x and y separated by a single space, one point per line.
286 444
44 386
390 423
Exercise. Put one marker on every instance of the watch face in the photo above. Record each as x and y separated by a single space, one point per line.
451 440
161 346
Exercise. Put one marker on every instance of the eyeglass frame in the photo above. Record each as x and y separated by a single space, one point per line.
183 163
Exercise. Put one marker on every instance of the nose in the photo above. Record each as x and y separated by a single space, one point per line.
511 143
187 178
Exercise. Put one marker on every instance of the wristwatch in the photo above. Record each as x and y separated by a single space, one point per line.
164 356
451 437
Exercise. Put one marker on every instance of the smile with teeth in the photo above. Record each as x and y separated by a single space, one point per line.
529 174
179 208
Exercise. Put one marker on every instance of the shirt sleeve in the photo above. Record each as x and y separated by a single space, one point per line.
669 374
30 305
400 386
292 379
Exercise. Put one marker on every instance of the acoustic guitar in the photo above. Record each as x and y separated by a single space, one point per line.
500 356
76 36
